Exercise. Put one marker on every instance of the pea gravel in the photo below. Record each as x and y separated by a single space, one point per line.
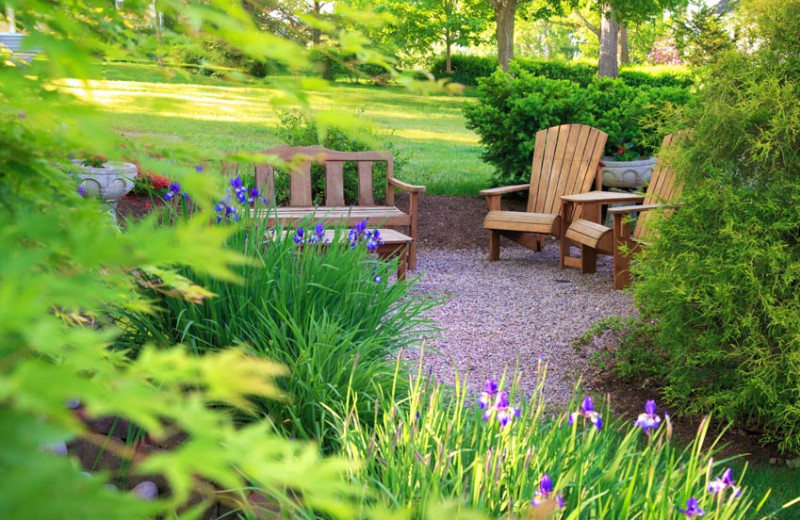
498 314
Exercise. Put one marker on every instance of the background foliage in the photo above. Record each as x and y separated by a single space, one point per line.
513 106
722 279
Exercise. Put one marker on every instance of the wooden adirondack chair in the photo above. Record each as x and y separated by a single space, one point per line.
618 240
565 161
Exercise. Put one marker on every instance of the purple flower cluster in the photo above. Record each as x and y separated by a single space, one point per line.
720 484
545 492
360 233
173 191
716 486
244 197
586 411
315 236
492 401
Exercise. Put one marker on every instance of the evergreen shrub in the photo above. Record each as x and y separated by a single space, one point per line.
722 280
513 106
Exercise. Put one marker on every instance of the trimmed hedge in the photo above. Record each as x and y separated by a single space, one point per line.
513 106
467 70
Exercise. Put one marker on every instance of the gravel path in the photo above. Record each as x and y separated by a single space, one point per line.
514 310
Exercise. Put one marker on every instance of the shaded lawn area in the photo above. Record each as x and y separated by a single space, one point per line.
428 130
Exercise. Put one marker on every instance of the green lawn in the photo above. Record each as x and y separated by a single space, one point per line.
427 129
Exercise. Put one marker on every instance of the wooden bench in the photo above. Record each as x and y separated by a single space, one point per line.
334 211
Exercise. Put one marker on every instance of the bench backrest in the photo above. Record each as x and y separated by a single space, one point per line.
662 189
565 161
300 159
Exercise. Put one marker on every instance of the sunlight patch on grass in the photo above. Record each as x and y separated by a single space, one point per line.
428 129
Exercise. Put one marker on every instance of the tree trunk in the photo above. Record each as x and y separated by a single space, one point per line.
316 34
607 66
504 13
623 53
448 66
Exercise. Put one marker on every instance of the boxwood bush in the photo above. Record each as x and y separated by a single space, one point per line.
513 106
723 280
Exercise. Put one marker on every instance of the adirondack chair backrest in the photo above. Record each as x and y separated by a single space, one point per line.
662 189
565 160
300 178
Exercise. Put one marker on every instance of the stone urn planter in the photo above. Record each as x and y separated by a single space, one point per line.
627 174
111 181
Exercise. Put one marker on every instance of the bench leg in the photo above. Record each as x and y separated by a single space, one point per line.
413 210
494 245
402 263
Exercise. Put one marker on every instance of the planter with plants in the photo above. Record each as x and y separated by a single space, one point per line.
110 180
627 168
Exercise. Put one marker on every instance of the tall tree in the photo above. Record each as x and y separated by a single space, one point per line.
615 16
505 14
421 25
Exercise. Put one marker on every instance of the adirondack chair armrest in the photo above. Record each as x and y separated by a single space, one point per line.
411 188
495 192
626 210
602 197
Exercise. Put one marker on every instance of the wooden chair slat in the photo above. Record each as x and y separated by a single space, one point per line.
551 141
334 183
300 185
265 180
365 189
560 170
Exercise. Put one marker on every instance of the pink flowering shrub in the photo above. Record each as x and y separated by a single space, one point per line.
664 52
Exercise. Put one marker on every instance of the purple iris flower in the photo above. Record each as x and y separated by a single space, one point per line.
544 492
82 190
489 392
198 168
493 402
319 231
692 508
587 411
724 482
254 192
298 237
378 279
236 183
648 420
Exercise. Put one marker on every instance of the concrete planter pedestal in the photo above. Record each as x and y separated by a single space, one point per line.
112 181
627 174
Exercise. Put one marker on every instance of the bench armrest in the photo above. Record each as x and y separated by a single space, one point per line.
411 188
504 189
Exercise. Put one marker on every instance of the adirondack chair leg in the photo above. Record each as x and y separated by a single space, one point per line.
588 260
540 244
622 261
494 245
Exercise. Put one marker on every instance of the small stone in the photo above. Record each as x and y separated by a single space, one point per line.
146 490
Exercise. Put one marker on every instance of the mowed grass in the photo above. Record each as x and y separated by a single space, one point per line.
428 130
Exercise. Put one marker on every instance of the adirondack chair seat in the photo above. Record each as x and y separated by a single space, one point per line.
521 221
592 234
565 161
